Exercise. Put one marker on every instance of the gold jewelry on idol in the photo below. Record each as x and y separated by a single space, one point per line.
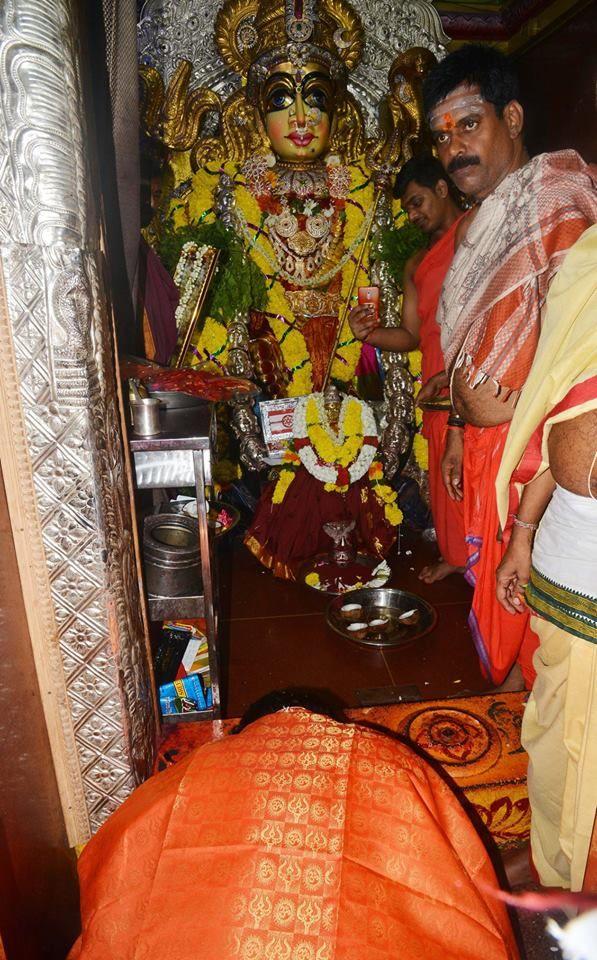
253 35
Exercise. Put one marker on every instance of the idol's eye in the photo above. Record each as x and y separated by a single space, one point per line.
278 98
317 97
471 123
440 138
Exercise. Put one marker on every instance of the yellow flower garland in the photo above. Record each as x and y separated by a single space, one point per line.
385 494
420 446
382 490
352 429
211 342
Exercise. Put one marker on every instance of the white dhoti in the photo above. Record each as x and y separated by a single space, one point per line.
559 728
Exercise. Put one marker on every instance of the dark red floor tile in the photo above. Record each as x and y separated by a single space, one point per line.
249 590
415 553
273 634
273 652
444 662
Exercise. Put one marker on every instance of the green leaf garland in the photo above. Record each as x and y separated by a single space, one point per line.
238 285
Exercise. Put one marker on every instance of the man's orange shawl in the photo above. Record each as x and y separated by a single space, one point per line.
493 295
298 839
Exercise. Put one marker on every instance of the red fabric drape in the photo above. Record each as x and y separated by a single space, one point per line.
501 638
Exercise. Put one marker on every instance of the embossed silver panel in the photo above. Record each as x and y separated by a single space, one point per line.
58 353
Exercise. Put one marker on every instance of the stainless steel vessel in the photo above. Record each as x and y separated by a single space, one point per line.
171 553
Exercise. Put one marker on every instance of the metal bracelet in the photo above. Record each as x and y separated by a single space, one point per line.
523 523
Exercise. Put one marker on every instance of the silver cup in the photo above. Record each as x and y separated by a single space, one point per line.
146 416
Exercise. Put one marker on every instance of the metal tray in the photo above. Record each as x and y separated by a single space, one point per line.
383 602
174 400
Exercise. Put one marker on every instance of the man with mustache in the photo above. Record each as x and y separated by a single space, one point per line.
526 215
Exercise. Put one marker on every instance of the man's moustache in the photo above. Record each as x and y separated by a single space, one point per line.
458 163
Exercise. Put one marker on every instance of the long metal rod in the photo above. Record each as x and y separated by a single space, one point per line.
346 306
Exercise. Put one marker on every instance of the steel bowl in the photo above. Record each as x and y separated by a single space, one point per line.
383 603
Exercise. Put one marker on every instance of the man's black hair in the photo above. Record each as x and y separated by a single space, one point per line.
426 170
473 64
316 701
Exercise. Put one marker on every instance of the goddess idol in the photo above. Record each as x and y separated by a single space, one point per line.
286 172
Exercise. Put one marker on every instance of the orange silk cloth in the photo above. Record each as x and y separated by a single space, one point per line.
428 280
448 515
501 638
298 839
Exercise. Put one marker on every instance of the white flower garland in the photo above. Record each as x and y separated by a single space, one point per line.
325 472
188 277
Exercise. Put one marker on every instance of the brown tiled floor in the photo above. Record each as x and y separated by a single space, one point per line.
274 634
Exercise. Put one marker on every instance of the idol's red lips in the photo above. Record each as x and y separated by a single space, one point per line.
301 139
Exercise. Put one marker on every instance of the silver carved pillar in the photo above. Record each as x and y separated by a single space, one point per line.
60 440
245 425
399 417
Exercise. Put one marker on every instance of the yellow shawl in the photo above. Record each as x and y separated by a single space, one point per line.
566 356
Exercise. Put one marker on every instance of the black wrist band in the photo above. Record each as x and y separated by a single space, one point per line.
456 421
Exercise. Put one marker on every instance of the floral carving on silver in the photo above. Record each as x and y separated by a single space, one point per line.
57 365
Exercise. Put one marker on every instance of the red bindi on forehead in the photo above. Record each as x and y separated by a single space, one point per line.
458 106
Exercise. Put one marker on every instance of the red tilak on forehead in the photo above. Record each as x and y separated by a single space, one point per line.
448 121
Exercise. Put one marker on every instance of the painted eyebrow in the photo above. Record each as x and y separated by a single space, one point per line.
279 78
316 75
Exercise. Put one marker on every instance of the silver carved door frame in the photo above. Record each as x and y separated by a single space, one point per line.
61 445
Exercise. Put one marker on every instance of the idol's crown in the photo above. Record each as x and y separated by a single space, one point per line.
254 35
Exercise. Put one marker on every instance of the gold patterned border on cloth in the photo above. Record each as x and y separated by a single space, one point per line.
569 610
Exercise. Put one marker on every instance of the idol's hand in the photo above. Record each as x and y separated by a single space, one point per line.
452 463
362 320
512 575
433 387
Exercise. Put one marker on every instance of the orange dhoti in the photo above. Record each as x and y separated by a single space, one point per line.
501 638
298 838
448 514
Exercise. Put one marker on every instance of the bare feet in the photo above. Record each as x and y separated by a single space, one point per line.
513 682
517 867
438 571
